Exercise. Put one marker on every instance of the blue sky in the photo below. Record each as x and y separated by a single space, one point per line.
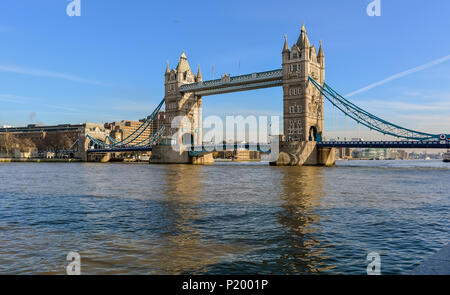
108 64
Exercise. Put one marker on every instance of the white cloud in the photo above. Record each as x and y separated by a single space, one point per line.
47 74
12 98
400 75
63 108
406 106
132 106
31 101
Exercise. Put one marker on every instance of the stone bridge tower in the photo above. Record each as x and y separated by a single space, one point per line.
303 105
302 102
183 104
183 117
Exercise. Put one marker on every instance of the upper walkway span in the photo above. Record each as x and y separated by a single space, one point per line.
228 84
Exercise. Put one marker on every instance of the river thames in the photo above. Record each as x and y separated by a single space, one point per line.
228 218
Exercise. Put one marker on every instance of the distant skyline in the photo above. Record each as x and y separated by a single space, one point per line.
108 64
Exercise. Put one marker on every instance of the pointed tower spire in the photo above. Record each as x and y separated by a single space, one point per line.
321 56
199 74
286 46
320 50
302 39
167 68
183 64
306 44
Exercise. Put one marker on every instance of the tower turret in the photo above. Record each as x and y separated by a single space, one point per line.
184 72
321 55
199 75
286 51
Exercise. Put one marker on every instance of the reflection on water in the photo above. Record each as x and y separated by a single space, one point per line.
302 193
182 247
223 219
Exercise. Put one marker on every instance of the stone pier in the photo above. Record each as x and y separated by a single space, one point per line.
304 153
165 154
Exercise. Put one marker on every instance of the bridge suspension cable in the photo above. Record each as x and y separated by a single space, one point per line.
153 138
130 139
369 120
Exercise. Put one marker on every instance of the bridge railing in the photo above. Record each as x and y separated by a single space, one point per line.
255 77
430 144
207 148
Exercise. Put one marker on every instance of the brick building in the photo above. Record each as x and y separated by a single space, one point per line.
123 129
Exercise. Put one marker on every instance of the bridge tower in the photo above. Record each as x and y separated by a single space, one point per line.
302 102
186 105
180 105
303 105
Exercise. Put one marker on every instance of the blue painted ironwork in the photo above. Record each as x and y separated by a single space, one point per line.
237 83
130 139
145 145
403 144
369 120
153 138
199 150
122 149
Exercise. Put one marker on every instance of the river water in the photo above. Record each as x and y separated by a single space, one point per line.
229 218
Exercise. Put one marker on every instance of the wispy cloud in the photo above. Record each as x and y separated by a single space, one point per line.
63 108
407 106
428 123
47 74
12 98
400 75
132 106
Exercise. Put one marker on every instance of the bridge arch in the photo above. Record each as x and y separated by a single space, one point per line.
313 135
187 139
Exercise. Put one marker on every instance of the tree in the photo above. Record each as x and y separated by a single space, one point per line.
9 142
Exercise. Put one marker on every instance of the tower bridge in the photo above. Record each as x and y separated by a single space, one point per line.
302 77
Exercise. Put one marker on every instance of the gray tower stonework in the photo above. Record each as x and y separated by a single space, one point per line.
181 132
302 103
303 106
178 104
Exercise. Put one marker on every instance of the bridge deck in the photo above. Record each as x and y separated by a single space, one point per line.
387 144
266 148
237 83
120 150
